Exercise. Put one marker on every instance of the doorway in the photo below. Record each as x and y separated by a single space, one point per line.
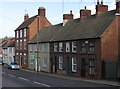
67 66
55 64
83 69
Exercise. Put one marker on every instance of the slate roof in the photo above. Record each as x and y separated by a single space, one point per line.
27 22
10 43
47 34
90 27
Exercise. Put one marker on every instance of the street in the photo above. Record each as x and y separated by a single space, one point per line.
20 78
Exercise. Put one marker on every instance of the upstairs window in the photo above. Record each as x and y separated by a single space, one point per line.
30 47
20 33
20 44
91 47
60 62
25 32
74 65
24 44
10 50
45 47
17 34
35 47
67 47
74 46
60 47
55 47
83 47
17 44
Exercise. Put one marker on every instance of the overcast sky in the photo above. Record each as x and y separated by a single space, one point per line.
12 11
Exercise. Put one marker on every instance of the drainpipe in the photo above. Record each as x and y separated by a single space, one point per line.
38 45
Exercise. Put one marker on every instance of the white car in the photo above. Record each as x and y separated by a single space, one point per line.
13 65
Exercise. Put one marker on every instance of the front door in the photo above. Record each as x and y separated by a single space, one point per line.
21 61
55 64
67 66
83 70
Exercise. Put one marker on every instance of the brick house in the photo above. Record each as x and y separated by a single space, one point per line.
25 32
44 37
88 46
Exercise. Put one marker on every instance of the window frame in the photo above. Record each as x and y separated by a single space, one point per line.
91 47
55 47
74 64
83 46
25 32
67 46
74 46
91 67
60 62
45 62
60 47
20 33
25 61
32 58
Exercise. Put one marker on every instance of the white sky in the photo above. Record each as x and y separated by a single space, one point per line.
12 11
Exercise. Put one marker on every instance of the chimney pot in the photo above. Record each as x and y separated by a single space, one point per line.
102 2
71 12
85 7
97 2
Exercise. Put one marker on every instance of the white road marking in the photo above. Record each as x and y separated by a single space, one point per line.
24 79
41 84
3 73
11 75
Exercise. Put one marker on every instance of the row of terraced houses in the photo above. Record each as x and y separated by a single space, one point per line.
88 46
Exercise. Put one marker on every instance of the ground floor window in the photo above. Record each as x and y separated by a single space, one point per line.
74 64
60 62
91 66
45 62
24 58
32 59
17 58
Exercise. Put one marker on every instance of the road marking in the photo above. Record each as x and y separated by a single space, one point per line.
11 75
24 79
3 73
41 84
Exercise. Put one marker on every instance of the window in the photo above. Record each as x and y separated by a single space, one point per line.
91 66
17 44
10 50
39 47
17 57
25 32
74 65
17 34
74 46
60 62
30 47
35 47
21 44
55 47
32 59
24 44
20 33
24 58
91 47
45 47
45 62
83 47
60 47
67 47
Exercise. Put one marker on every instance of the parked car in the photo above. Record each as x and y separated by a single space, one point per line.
1 61
13 65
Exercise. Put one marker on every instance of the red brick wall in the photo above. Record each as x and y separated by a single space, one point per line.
109 42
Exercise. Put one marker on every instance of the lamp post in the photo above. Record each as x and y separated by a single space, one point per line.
38 45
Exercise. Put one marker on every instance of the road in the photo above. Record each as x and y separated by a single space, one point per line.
20 78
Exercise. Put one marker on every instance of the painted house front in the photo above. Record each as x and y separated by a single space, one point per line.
44 37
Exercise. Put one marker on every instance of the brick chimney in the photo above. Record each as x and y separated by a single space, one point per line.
84 13
41 11
67 17
26 17
100 8
118 6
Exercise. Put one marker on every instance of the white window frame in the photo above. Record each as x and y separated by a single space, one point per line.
32 59
55 47
61 62
45 62
24 58
60 47
25 31
67 47
74 64
20 33
17 34
74 46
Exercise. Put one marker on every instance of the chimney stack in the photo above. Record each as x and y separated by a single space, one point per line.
41 11
100 8
67 17
118 6
84 13
26 17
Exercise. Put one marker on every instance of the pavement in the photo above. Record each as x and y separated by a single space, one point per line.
105 82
